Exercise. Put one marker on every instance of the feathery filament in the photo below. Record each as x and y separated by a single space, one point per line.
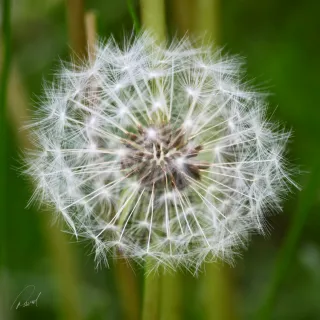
159 152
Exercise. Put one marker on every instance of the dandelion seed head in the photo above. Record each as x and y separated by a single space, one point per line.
159 152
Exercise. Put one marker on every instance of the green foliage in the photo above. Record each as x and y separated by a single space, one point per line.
280 42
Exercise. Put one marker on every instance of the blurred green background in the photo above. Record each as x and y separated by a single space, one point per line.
280 41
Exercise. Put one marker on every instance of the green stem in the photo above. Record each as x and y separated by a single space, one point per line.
182 15
171 303
91 34
206 20
128 289
134 16
153 18
76 26
217 284
151 293
287 252
218 293
6 48
6 43
200 18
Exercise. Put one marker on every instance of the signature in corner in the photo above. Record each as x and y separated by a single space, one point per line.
24 298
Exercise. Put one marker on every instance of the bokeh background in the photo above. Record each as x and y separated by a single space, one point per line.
281 45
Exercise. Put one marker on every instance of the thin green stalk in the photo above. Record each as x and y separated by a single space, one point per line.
134 16
217 285
218 292
199 18
182 15
153 17
287 252
76 26
128 289
151 293
6 51
6 43
171 303
91 34
206 20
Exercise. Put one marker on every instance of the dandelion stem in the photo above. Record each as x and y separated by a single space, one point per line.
151 293
153 17
218 292
76 26
182 15
287 252
206 21
200 18
171 303
128 289
5 66
217 281
91 33
5 55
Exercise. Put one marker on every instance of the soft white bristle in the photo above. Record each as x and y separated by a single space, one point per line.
158 152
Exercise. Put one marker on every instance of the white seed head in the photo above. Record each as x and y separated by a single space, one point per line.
159 152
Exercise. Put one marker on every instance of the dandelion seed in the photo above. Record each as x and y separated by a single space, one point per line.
159 152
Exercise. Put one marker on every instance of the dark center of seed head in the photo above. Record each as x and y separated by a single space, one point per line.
161 157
